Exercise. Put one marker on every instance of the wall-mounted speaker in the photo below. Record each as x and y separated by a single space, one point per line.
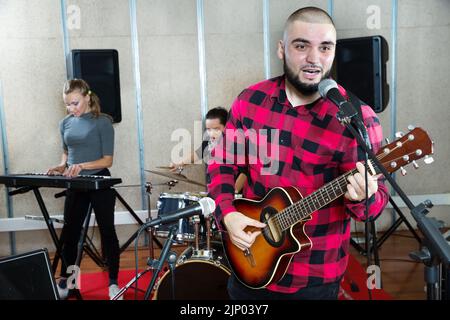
27 276
100 69
360 66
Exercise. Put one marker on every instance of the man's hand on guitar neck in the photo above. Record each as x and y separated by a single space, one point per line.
236 222
356 189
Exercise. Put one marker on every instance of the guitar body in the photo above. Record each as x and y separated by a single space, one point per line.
268 258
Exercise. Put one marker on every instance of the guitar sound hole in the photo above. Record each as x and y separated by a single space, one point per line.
273 232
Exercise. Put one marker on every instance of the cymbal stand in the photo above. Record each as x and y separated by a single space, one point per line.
148 190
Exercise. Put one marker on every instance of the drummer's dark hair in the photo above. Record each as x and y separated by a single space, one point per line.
218 113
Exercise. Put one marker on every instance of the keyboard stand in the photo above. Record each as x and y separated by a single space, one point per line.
138 220
84 239
47 219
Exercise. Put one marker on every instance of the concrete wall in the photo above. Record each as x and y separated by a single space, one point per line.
32 72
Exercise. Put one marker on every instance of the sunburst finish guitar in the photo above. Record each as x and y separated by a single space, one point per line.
285 212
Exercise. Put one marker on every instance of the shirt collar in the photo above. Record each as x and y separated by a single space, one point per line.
317 108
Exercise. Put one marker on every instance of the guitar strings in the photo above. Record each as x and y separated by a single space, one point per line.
282 219
293 209
341 182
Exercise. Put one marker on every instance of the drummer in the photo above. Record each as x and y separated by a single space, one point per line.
216 119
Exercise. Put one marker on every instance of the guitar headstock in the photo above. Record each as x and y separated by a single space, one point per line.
414 145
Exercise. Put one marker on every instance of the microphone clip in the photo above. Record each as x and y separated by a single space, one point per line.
347 113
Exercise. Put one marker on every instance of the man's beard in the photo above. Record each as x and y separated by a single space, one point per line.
305 89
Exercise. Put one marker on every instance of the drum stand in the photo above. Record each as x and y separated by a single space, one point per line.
208 253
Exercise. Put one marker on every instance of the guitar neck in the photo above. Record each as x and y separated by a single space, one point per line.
316 200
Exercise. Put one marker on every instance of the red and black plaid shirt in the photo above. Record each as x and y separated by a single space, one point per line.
314 148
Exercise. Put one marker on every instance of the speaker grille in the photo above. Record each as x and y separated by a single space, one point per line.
361 68
27 276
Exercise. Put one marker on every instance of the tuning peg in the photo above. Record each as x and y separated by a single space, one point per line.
428 159
415 164
403 171
411 127
387 140
399 134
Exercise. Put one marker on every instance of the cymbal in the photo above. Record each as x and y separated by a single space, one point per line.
169 168
176 176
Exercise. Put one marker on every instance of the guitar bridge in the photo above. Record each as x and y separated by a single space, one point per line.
249 257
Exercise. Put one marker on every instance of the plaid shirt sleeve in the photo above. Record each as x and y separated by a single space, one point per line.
222 168
378 201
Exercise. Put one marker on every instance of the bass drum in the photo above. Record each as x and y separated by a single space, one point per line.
197 277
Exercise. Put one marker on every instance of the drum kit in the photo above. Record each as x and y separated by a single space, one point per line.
201 271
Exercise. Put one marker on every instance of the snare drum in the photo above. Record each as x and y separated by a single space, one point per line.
169 203
197 277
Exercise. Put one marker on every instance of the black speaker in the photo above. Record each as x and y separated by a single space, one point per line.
100 69
27 276
360 66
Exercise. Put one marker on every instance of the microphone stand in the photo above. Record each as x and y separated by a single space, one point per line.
158 264
435 250
348 116
153 265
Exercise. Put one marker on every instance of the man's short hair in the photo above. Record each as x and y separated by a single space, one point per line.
218 113
310 15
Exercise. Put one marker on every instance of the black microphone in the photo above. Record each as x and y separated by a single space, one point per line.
205 206
328 89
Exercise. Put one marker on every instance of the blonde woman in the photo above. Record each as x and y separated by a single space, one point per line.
88 147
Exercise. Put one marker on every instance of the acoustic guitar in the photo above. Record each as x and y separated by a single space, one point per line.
285 212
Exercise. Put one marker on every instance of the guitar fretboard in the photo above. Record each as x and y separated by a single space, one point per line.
316 200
